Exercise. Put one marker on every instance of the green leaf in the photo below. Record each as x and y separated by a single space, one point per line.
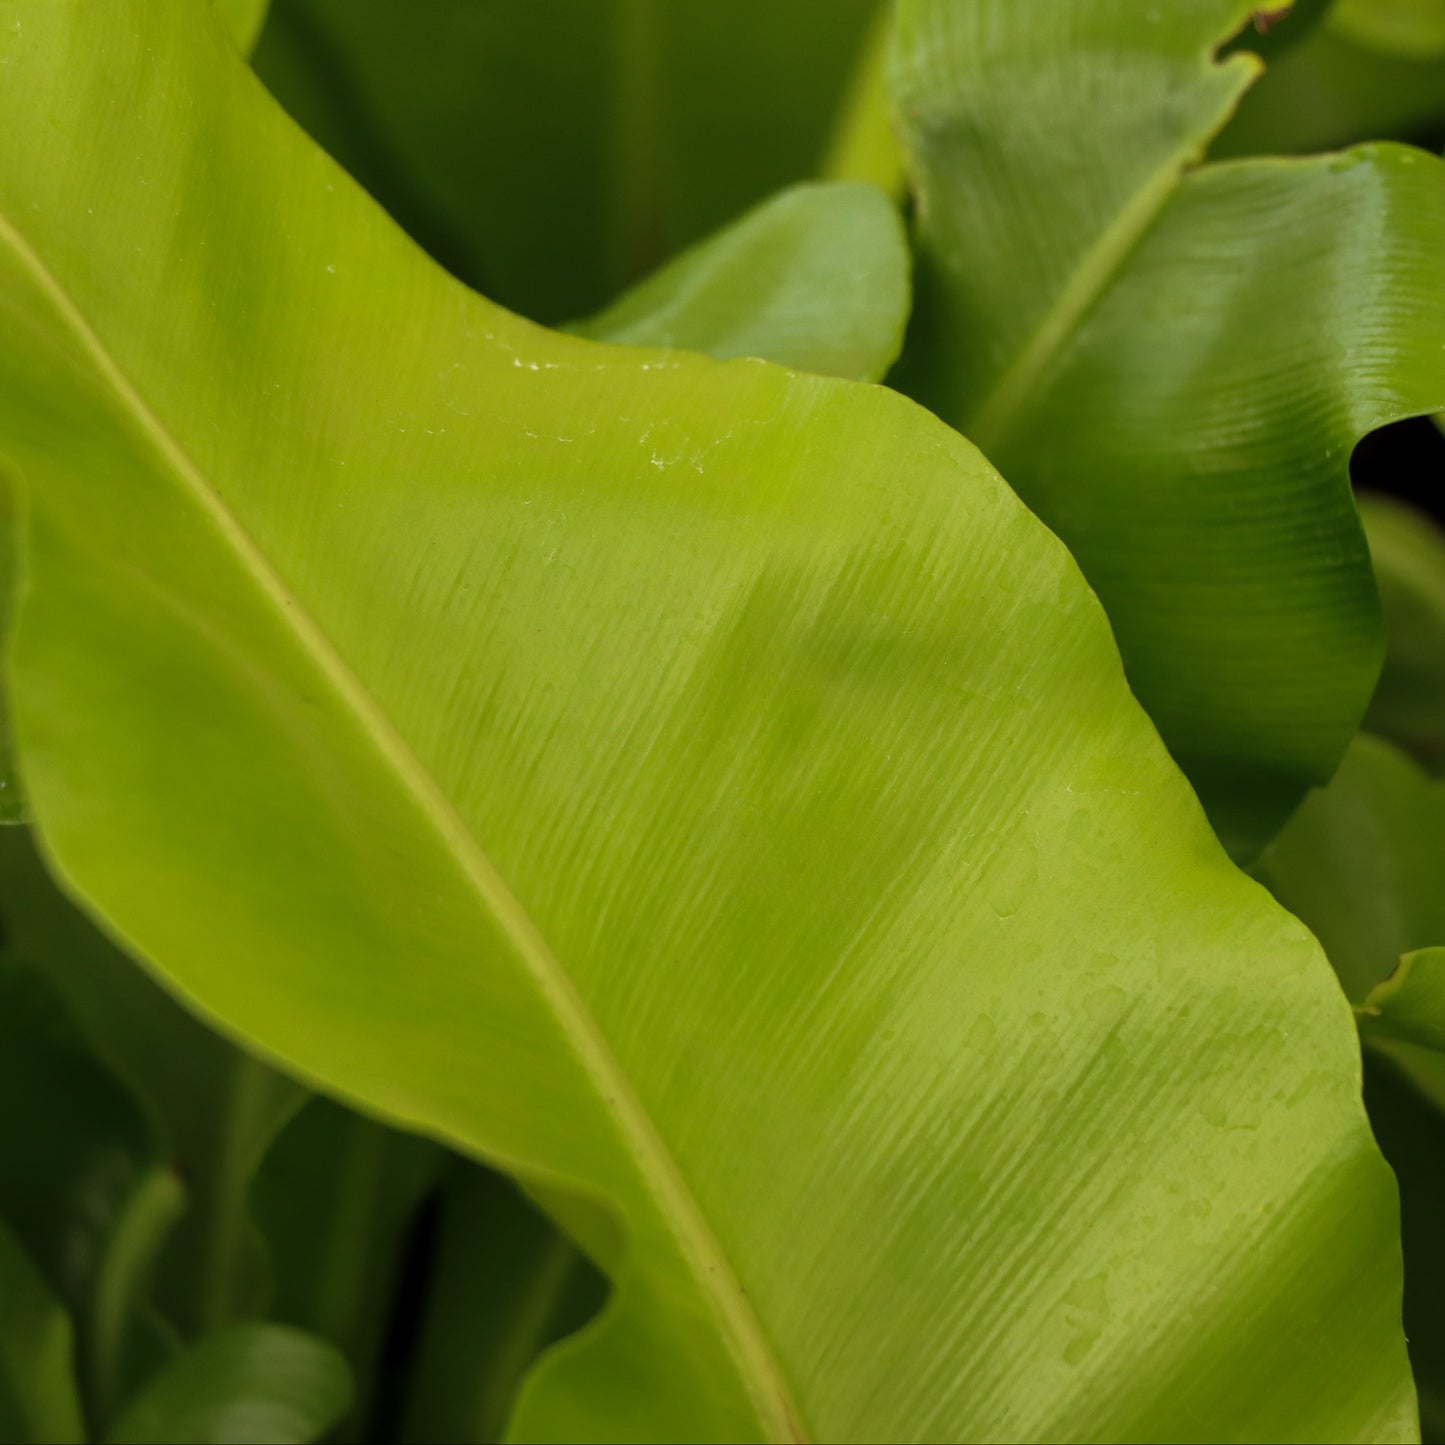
1408 551
255 1384
334 1200
243 20
1411 28
505 1286
38 1400
214 1109
1172 365
1360 863
815 278
552 153
1410 1004
699 789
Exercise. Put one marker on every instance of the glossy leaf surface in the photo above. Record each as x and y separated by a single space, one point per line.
255 1384
815 278
553 153
702 790
38 1400
1172 366
1408 552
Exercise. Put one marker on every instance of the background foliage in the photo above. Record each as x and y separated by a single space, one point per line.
625 844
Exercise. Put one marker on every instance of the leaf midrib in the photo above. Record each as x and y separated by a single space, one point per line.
752 1352
991 421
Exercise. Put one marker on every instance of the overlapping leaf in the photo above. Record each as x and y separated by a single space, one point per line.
702 790
815 278
1172 365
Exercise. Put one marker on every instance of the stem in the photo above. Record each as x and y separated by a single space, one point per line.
253 1115
157 1202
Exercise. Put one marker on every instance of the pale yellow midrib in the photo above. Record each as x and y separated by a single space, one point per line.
778 1413
990 422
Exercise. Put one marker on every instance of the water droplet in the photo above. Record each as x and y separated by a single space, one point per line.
983 1033
1105 1005
1086 1312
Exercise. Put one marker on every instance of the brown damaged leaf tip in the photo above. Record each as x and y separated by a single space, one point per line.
1266 20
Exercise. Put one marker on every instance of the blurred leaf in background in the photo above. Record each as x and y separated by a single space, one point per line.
1373 70
551 152
253 1384
1408 552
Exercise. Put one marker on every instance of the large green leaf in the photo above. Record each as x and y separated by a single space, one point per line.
1408 552
699 789
1172 365
38 1400
255 1384
553 151
815 278
214 1109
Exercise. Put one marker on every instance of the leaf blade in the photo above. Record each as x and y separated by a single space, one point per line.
838 599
